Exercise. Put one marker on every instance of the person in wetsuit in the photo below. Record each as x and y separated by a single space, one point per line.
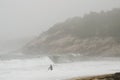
50 67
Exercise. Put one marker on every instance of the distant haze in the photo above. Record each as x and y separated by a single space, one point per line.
26 18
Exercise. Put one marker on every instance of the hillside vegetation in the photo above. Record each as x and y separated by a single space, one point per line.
94 34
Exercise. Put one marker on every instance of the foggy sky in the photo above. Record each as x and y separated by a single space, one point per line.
21 18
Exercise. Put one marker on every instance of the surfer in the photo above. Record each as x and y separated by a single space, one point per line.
50 67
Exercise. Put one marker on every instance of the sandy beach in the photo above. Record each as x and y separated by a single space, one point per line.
114 76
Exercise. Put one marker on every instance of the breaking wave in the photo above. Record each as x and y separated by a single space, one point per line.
13 63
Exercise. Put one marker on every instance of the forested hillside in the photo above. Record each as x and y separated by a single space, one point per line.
94 34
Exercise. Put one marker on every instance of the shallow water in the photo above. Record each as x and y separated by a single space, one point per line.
37 69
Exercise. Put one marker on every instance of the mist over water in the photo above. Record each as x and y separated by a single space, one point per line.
22 21
26 18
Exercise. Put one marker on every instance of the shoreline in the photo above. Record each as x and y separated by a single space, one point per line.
114 76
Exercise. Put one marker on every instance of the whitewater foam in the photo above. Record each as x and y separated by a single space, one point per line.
37 69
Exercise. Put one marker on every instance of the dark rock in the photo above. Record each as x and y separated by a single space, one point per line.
117 76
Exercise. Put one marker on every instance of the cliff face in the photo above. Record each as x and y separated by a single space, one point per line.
94 34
